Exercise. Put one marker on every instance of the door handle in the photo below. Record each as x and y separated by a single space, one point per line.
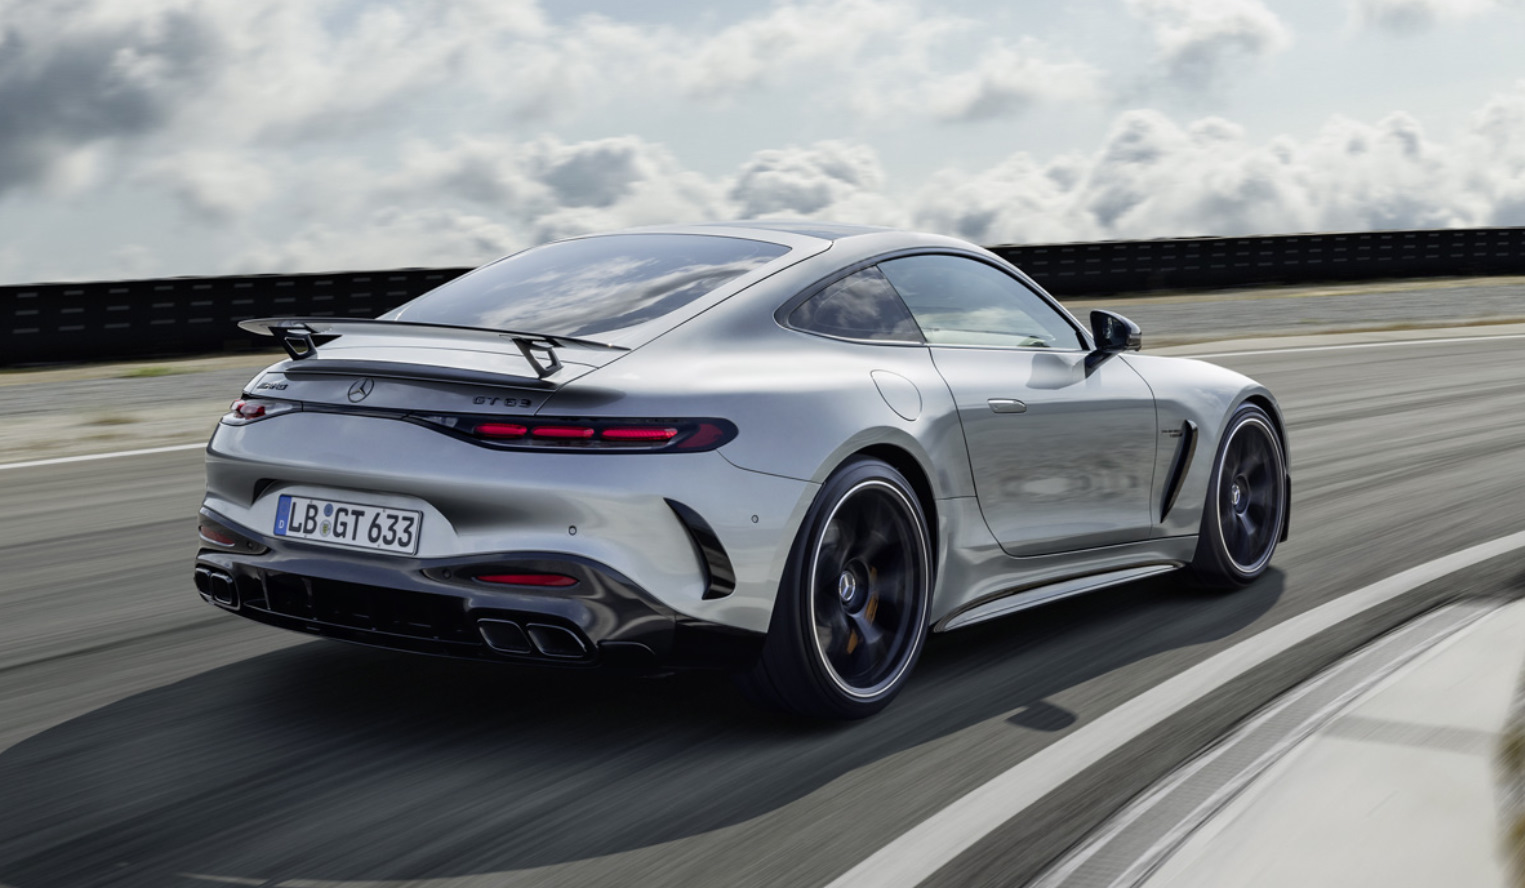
1007 405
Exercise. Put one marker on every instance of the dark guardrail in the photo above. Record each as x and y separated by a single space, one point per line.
45 323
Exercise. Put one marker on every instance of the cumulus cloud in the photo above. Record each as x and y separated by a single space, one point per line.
82 76
554 189
804 181
1151 176
322 134
75 75
789 35
1196 41
1155 177
382 239
215 186
1003 82
1415 16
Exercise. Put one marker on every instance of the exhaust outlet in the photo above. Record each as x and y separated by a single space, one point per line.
556 641
204 583
218 587
504 636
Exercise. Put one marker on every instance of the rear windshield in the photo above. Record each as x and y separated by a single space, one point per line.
592 285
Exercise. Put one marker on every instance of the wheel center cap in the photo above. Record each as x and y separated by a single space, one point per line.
847 587
1236 494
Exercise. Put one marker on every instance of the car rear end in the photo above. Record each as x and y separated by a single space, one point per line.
410 491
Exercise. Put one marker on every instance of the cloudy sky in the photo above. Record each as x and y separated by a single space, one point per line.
164 137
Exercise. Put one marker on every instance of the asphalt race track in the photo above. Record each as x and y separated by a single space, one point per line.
147 739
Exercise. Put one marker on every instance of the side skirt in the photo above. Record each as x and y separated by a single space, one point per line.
1032 596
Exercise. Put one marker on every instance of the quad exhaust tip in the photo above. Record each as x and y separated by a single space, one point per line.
555 642
217 587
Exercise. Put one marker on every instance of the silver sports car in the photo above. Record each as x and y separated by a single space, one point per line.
787 449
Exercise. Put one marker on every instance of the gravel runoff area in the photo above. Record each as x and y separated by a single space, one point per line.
97 408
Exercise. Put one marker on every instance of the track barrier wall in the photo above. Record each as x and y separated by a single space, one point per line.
49 323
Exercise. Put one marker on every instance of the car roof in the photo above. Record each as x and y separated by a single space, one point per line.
807 227
762 229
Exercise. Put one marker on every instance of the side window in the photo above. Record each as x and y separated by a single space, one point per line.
959 301
860 306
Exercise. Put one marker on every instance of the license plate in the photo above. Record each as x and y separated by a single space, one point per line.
348 524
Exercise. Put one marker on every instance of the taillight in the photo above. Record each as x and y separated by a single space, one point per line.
639 433
543 580
501 430
564 433
247 410
589 435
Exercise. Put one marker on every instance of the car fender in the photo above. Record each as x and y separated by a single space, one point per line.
1206 396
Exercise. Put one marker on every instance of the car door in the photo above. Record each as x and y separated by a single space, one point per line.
1062 453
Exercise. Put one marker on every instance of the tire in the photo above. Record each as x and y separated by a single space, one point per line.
851 615
1246 504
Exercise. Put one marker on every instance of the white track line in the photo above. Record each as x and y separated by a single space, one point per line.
909 859
1386 343
94 456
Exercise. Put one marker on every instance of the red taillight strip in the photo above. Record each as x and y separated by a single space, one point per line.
501 430
529 579
564 432
589 435
642 434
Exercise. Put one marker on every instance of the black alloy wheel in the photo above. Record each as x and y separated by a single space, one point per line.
851 616
1246 502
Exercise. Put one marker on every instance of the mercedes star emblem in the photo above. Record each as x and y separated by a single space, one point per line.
361 389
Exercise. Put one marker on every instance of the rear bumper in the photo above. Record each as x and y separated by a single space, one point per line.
631 513
432 606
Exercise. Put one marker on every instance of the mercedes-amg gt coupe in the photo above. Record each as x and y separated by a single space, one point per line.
787 449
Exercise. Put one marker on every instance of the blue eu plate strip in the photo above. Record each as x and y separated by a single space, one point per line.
282 515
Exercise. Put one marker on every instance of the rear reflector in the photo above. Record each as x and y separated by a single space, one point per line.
706 436
216 535
529 579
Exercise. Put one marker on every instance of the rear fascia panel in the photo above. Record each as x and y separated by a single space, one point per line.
476 499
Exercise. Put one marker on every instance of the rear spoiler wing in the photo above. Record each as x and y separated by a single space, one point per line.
296 337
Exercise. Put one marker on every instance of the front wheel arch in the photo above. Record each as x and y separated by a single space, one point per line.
1246 504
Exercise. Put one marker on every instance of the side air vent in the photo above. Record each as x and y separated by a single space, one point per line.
1177 477
719 575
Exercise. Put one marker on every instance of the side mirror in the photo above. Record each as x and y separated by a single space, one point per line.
1115 333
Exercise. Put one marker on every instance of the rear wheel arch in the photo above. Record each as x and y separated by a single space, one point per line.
906 464
867 524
